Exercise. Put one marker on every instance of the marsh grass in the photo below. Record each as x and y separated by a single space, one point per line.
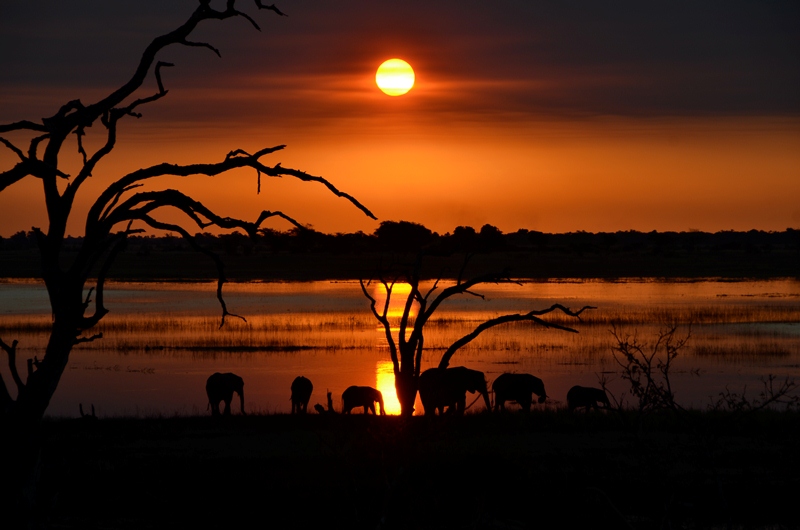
731 331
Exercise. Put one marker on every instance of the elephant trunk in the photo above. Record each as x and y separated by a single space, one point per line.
485 394
380 406
241 401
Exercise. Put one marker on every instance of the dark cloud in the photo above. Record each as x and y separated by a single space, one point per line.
508 58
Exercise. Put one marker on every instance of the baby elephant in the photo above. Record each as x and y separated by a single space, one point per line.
362 396
301 393
584 396
519 388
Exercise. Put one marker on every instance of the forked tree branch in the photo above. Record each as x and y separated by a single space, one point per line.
459 288
383 318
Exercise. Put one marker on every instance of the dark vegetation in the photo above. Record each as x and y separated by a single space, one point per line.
274 255
546 469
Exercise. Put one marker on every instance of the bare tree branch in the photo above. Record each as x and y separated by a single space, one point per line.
201 45
24 125
17 151
11 351
383 319
82 340
14 175
217 261
531 316
270 7
239 160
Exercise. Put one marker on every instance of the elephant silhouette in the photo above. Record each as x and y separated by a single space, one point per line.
448 387
362 396
519 388
220 387
585 396
301 393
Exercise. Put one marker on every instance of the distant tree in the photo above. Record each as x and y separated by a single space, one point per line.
491 238
464 239
403 236
118 212
405 348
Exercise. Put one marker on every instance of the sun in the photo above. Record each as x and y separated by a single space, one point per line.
395 77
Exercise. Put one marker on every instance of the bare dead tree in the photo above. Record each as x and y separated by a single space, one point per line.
120 210
645 368
406 351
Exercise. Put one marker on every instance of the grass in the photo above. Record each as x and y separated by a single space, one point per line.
547 469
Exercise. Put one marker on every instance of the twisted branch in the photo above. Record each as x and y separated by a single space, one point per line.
531 316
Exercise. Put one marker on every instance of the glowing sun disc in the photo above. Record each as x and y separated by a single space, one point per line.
395 77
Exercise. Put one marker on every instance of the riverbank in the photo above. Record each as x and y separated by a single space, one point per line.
547 469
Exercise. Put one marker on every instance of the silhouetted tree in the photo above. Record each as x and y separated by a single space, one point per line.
403 236
406 350
465 239
491 238
118 212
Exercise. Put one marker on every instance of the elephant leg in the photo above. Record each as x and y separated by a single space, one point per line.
371 409
227 411
526 404
215 408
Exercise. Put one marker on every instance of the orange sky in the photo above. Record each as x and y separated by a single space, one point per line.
545 119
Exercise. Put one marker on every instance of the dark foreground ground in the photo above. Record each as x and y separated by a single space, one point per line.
543 470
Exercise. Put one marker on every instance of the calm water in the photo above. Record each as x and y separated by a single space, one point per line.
163 340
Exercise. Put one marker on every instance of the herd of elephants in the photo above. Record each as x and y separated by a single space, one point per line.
440 389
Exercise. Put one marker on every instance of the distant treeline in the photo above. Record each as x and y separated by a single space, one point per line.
301 254
404 237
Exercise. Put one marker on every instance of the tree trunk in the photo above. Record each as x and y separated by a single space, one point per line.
406 385
22 426
42 383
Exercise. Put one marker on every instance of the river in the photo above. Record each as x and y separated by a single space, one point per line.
162 340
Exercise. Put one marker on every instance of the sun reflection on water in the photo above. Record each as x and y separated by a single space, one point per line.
384 381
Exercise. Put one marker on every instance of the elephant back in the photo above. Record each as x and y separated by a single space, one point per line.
302 388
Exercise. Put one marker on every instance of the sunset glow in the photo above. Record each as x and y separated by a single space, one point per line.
395 77
384 375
